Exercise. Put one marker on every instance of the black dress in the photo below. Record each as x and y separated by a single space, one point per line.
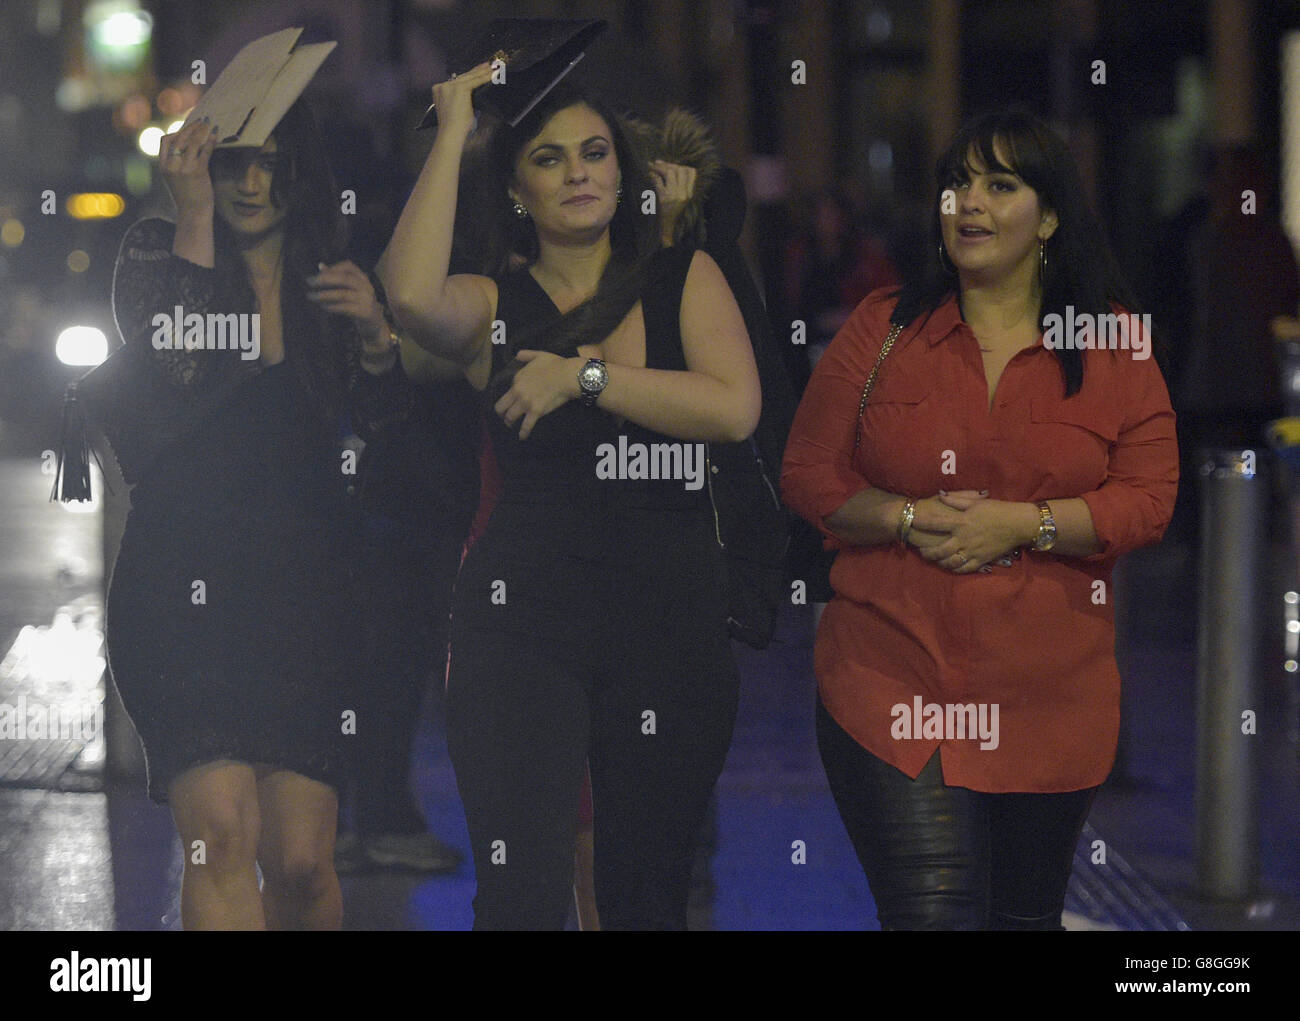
228 627
589 626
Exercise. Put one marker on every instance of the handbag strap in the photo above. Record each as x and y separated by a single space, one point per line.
892 336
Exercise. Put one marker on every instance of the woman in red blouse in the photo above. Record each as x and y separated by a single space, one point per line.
1018 411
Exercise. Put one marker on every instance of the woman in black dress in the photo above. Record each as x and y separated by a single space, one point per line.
589 621
227 630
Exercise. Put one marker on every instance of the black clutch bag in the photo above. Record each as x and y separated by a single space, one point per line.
140 413
536 54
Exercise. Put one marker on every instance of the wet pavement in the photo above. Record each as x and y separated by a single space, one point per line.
81 849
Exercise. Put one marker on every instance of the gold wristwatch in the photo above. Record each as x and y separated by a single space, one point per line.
1046 537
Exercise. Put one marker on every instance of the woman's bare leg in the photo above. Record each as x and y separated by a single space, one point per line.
215 809
299 820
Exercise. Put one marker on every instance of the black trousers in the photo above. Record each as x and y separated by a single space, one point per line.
523 718
940 857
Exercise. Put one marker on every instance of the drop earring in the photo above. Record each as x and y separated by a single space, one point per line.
1042 262
944 262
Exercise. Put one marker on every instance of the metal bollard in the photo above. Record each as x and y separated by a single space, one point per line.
1233 511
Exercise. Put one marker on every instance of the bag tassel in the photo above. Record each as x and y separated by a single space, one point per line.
72 471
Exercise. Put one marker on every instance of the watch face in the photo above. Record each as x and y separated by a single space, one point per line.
593 377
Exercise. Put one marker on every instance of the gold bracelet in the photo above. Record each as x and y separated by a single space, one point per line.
905 523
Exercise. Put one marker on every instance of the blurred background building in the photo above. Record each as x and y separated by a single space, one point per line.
806 97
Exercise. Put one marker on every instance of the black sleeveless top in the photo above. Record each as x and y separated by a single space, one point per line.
558 462
575 551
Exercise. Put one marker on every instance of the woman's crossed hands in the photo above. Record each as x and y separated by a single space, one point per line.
964 531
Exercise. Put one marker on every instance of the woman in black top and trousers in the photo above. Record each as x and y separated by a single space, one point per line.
227 627
589 621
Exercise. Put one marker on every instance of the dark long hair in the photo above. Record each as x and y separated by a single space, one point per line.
633 235
315 231
1081 270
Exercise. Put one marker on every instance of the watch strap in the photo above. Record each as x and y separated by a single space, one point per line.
1046 537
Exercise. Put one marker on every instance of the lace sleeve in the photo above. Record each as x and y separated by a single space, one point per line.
148 281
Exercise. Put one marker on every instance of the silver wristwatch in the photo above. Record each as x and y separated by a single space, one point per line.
592 379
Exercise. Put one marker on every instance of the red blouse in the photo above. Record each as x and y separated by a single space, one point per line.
1029 650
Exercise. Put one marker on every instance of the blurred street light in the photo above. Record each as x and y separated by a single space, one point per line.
95 205
150 140
81 345
118 32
